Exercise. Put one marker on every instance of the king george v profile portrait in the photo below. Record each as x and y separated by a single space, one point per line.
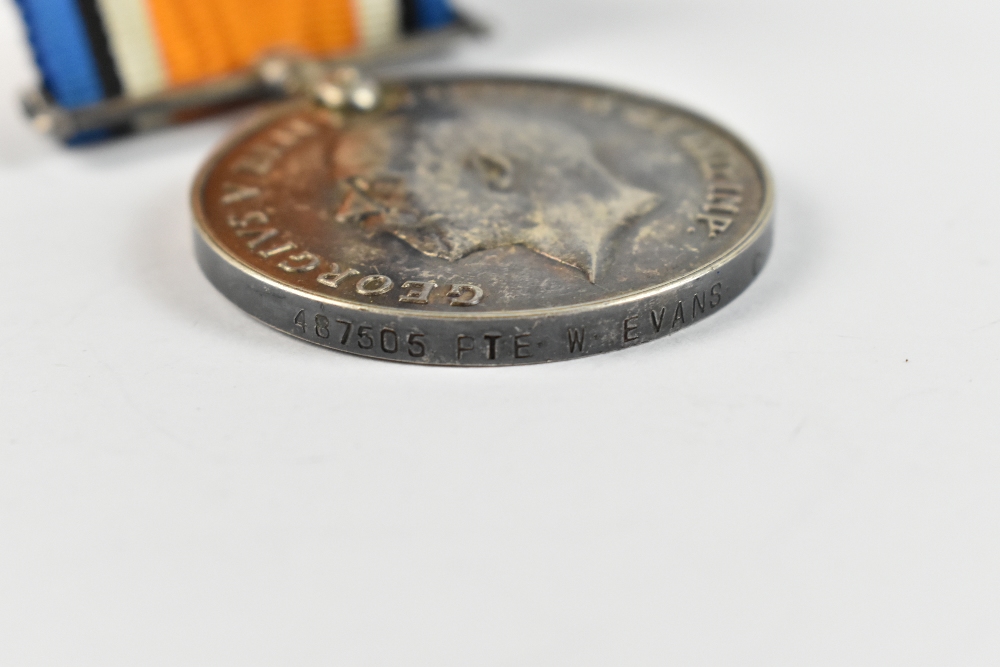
481 180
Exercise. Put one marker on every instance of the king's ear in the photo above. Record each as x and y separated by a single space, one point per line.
495 170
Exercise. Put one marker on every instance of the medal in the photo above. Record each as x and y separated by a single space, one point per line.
456 221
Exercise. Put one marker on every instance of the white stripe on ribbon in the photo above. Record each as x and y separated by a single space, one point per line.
380 22
134 46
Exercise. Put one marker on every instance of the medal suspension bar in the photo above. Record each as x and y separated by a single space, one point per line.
333 82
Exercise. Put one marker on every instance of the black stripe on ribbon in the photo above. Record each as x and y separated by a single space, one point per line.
99 46
411 19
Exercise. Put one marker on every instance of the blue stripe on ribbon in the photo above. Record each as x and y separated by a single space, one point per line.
433 14
59 39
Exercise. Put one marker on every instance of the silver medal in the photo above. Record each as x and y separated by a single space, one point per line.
483 222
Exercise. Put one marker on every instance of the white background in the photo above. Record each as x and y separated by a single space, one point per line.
811 477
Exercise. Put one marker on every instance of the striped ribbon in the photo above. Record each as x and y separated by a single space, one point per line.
91 50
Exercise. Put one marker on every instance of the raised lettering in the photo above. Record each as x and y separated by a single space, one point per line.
288 246
334 277
261 158
419 292
720 168
289 135
720 208
235 193
722 204
262 236
728 189
729 195
465 295
374 285
251 218
716 224
259 161
308 262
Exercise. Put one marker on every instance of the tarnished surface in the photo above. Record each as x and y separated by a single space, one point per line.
483 221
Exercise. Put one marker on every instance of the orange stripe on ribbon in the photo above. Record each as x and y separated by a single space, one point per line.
199 39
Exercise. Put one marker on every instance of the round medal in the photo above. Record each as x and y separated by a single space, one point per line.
483 222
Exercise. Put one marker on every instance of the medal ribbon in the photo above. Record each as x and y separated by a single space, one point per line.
93 50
